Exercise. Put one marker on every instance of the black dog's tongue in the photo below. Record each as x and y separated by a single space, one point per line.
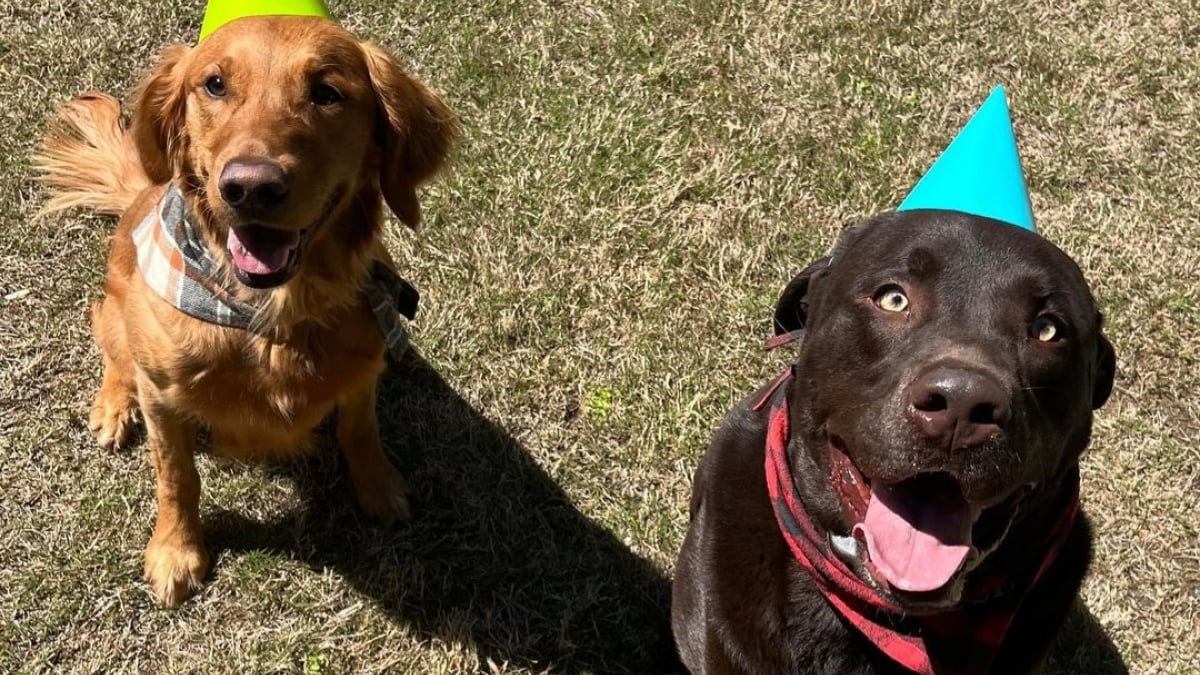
918 532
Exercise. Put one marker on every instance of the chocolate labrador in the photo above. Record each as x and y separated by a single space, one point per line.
905 497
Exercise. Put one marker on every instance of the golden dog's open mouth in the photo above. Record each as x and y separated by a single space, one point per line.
263 257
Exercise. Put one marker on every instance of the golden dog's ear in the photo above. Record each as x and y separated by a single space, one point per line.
416 131
157 126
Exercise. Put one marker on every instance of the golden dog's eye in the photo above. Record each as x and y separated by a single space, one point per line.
215 86
1046 329
891 298
324 95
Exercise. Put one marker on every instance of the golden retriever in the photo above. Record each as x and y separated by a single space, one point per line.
283 135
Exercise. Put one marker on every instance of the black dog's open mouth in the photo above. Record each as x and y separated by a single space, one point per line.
263 257
918 533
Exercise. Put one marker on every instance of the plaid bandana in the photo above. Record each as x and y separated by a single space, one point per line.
175 263
963 641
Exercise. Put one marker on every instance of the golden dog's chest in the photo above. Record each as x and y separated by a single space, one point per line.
281 396
266 396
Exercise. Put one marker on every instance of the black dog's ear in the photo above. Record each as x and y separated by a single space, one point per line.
791 311
1105 373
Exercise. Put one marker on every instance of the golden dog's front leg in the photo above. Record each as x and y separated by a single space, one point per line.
112 417
176 562
379 486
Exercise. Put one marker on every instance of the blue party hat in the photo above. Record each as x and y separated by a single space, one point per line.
979 172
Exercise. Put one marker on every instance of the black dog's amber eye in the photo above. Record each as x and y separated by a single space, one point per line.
324 94
1046 329
215 86
891 298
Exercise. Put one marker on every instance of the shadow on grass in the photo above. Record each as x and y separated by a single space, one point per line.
1083 648
495 557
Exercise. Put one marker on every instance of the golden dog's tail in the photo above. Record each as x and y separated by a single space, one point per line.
87 159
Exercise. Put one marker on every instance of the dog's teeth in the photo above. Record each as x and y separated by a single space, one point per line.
846 546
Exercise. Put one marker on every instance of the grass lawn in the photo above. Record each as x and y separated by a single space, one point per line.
638 180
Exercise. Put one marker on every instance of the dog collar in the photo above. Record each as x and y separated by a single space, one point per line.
175 263
964 641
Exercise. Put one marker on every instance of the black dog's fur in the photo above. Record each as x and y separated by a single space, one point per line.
741 603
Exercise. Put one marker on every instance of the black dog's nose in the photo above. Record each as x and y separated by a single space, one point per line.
958 408
252 184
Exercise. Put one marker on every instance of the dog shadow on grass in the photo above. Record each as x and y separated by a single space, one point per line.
1083 648
496 557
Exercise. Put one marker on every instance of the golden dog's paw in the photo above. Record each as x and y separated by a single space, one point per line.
175 569
112 420
384 496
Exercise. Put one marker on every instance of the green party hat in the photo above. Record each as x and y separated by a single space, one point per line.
220 12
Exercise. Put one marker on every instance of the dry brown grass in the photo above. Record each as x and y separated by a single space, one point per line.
639 180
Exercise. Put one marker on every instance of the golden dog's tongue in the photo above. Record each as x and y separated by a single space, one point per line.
917 534
260 250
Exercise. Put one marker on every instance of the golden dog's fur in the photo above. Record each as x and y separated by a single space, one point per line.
316 347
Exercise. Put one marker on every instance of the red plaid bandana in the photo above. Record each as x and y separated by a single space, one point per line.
963 641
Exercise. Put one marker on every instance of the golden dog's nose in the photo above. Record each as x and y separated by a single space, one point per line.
253 184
